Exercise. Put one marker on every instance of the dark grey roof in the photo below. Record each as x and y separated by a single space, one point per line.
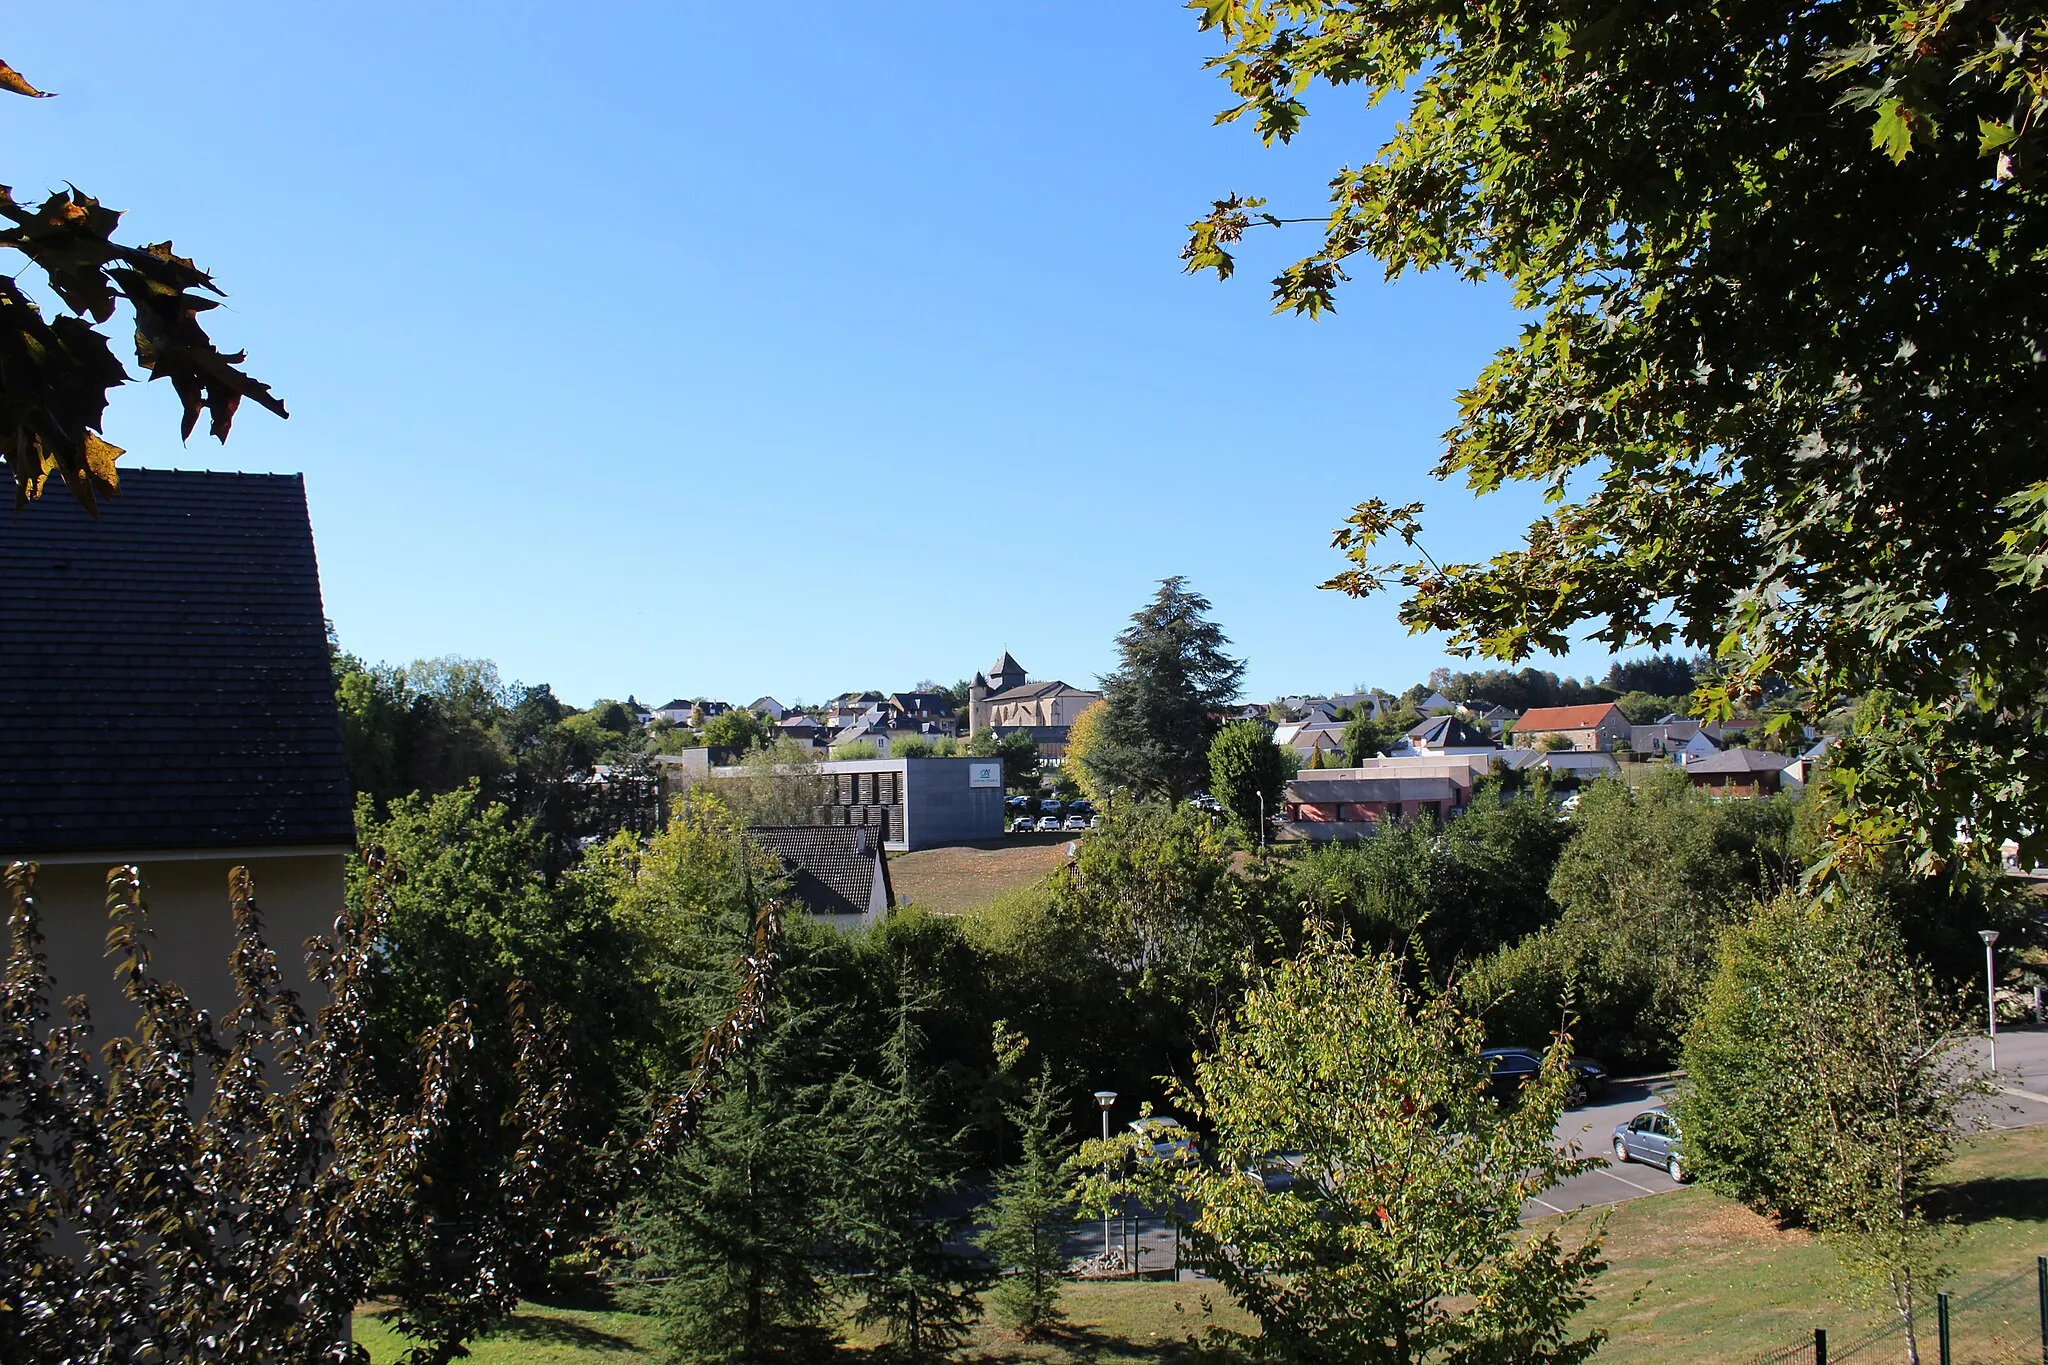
1031 691
1321 790
933 703
1740 761
834 870
164 672
1449 732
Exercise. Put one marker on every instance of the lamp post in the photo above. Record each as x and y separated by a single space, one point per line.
1262 819
1105 1098
1990 937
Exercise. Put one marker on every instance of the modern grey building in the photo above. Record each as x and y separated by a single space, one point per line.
918 802
909 803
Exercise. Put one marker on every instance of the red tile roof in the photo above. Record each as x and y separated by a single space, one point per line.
1563 717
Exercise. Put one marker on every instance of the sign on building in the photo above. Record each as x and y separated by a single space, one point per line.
985 773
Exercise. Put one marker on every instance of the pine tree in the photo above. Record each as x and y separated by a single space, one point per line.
733 1233
1029 1217
899 1167
730 1230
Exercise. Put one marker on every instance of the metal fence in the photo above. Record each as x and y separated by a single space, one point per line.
1997 1322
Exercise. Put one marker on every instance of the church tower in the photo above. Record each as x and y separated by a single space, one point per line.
977 704
1007 673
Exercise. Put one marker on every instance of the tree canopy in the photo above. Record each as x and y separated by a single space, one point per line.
1154 735
1783 271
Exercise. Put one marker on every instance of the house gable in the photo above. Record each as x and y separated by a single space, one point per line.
165 673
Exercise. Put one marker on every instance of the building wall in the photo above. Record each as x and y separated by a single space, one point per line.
925 801
299 896
1061 708
942 807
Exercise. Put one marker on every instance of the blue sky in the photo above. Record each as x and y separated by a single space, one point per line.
725 350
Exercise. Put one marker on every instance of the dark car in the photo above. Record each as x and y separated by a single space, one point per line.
1515 1067
1652 1138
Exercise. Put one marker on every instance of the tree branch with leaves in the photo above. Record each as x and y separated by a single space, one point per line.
56 372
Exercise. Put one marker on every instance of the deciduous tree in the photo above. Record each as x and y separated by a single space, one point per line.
1400 1238
1248 773
1785 280
1826 993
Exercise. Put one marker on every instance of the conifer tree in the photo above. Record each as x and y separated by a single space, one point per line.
733 1234
901 1167
1159 719
1029 1217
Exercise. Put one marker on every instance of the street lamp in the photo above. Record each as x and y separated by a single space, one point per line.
1105 1098
1990 937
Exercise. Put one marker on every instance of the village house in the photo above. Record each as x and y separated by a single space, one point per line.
1739 773
170 704
1450 734
1597 726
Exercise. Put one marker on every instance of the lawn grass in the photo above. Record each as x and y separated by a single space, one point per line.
1692 1277
1695 1277
963 877
1107 1324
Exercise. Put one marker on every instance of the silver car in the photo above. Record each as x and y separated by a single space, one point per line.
1651 1137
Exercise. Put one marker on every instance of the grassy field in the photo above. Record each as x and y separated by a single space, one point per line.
1691 1278
948 881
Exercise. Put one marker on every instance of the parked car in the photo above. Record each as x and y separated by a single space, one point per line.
1048 824
1023 824
1515 1067
1274 1171
1095 822
1651 1137
1052 808
1077 822
1161 1138
1018 803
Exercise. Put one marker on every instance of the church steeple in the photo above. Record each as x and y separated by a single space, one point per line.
1007 673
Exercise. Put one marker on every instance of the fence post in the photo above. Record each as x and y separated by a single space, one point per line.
1820 1346
2041 1287
1941 1323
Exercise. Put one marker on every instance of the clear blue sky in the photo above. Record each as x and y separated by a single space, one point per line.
723 350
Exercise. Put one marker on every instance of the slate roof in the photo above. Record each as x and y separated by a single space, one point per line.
1740 761
834 870
1031 691
1449 732
164 672
1318 790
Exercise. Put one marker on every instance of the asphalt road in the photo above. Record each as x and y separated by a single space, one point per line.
2022 1101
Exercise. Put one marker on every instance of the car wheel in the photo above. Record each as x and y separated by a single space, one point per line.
1574 1094
1675 1168
1620 1151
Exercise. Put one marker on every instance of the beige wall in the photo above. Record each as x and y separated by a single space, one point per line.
1061 708
299 895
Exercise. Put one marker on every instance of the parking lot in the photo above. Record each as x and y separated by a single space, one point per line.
2022 1101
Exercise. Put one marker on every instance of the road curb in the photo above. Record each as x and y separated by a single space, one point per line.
1645 1080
